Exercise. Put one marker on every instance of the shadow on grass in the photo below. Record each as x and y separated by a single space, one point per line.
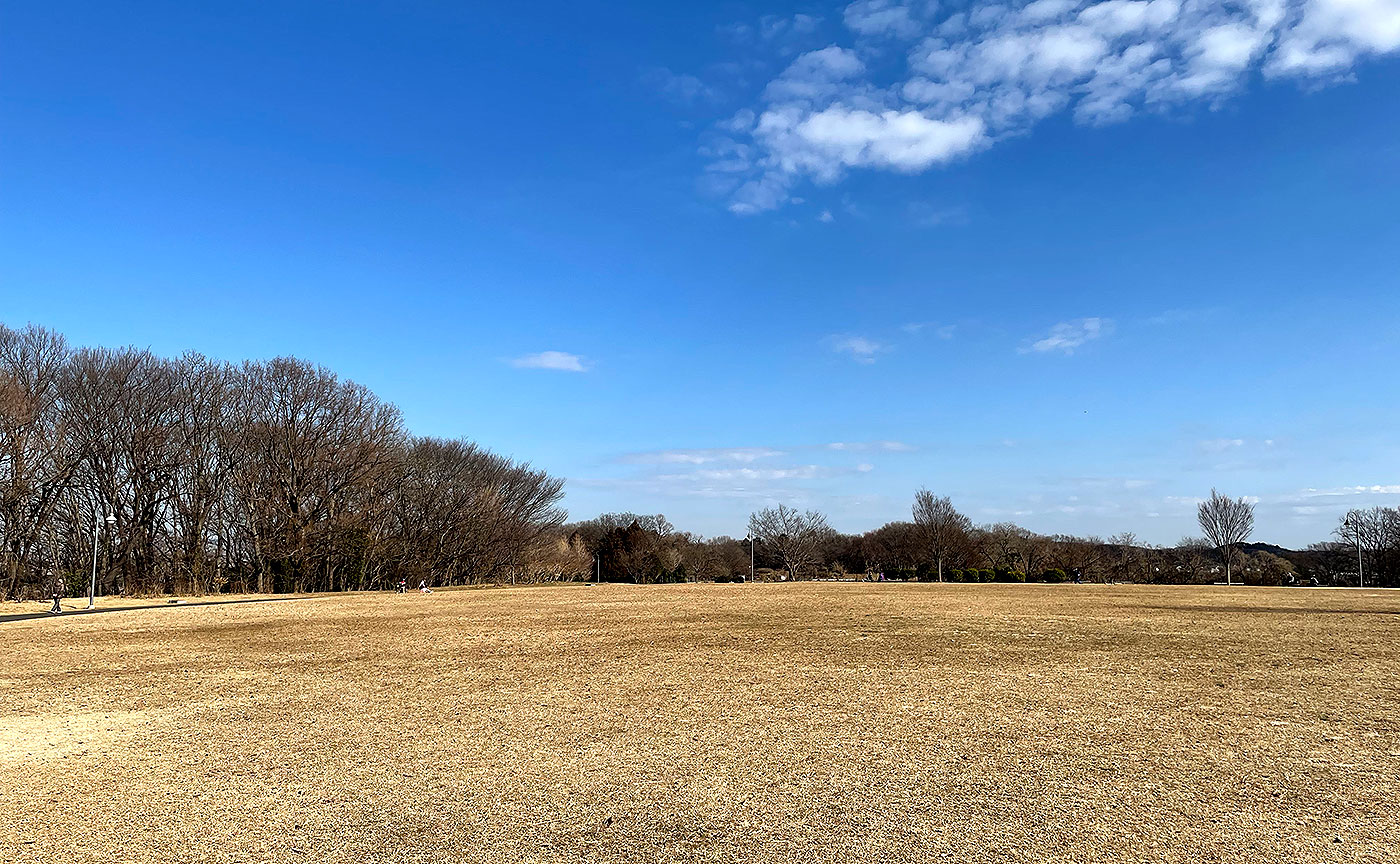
31 616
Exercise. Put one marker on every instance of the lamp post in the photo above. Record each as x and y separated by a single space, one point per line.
751 542
1360 568
96 525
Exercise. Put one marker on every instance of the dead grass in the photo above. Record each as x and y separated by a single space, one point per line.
813 722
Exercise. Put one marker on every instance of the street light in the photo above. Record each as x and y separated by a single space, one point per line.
97 524
1356 532
750 541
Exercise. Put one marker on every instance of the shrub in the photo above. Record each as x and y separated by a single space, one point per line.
1053 575
954 575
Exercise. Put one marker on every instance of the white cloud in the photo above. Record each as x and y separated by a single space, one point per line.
800 472
826 217
825 143
1222 445
558 361
882 18
703 456
975 77
860 349
863 446
1067 336
1377 489
1333 34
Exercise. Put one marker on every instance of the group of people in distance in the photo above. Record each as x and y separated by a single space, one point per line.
422 586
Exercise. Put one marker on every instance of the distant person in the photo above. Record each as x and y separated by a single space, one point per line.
403 585
423 587
1078 576
56 590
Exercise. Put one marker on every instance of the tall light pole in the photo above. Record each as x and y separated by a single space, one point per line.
96 525
751 542
1360 572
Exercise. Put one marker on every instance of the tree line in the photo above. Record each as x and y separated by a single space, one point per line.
192 475
938 543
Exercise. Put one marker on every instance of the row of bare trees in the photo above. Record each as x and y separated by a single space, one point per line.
192 475
1372 537
941 544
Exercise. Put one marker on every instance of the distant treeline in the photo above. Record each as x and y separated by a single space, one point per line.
644 549
189 475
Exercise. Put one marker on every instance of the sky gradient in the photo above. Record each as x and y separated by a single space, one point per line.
1072 266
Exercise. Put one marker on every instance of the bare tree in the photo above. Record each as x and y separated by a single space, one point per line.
37 455
796 538
1226 522
941 527
1127 555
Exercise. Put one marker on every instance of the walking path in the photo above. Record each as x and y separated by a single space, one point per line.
30 616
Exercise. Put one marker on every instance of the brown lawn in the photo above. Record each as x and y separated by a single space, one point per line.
757 723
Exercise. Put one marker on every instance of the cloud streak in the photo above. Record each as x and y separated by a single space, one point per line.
557 361
972 77
858 348
706 456
1069 336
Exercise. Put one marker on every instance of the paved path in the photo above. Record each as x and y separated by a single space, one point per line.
30 616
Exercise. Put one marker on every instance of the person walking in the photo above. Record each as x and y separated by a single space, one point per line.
56 591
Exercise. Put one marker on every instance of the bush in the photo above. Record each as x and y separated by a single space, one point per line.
1053 575
1002 574
954 575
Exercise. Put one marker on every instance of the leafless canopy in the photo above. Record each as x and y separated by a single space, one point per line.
1226 522
194 475
941 527
794 537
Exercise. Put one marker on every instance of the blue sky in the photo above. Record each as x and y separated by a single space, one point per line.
1072 264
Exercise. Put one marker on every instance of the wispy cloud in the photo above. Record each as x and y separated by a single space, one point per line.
1068 336
1221 445
943 331
702 456
976 75
786 34
797 472
1348 491
882 18
926 215
862 446
558 361
680 88
858 348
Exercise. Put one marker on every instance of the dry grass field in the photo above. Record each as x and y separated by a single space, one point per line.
756 723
